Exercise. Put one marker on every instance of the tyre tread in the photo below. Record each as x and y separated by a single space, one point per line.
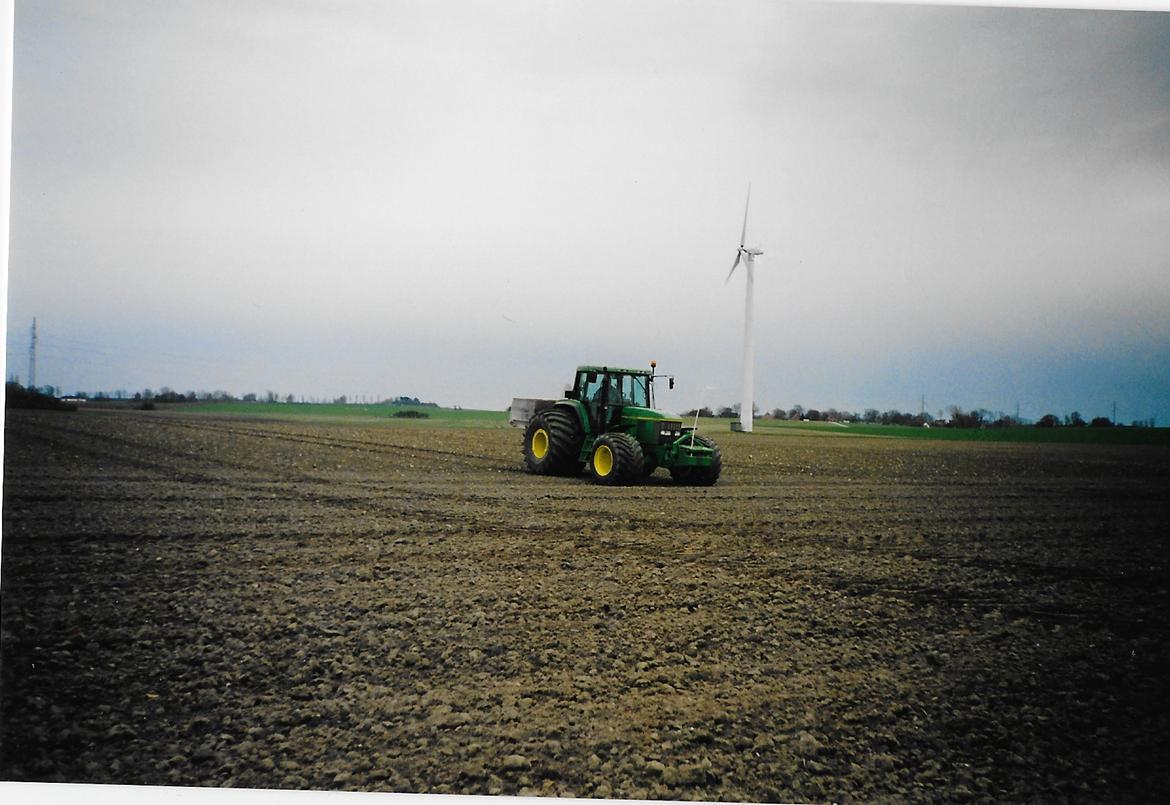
564 443
628 458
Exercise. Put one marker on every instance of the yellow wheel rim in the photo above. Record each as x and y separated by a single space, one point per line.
540 443
602 460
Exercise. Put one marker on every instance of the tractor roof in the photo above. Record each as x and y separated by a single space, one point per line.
613 370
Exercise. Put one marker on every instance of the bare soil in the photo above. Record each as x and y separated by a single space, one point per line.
231 602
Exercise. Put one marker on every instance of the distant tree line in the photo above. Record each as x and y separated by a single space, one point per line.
166 394
17 396
954 417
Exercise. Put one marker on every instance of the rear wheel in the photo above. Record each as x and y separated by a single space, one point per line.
552 441
616 459
700 476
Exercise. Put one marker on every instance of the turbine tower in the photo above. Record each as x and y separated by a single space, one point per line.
748 256
32 357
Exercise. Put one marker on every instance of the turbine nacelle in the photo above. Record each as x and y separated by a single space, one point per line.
740 254
743 251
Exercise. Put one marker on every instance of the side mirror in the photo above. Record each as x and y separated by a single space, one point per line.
670 383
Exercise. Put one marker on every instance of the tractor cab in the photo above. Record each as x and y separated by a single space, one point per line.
606 393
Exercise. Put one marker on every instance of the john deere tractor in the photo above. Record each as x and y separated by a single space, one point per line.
607 423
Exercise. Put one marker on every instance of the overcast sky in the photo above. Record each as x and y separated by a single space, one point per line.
461 201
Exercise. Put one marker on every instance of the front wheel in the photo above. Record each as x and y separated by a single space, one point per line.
616 459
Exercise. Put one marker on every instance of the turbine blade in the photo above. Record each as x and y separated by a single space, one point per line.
733 265
743 233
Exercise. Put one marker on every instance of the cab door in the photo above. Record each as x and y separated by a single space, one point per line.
590 389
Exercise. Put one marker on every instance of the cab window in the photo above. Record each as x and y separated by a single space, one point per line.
589 384
632 390
641 393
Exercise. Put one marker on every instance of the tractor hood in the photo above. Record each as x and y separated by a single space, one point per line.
637 412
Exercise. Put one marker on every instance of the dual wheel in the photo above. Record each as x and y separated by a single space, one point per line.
551 443
553 439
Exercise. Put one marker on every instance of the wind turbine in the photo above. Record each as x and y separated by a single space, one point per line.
748 256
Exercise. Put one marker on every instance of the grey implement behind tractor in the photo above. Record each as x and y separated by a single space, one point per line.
607 423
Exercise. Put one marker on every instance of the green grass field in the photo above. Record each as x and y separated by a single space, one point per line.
435 417
468 418
1153 436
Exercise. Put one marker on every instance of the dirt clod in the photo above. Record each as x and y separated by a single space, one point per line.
515 763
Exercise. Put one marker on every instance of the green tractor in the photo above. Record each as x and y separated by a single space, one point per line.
607 423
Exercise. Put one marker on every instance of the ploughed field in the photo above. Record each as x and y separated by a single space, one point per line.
190 600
